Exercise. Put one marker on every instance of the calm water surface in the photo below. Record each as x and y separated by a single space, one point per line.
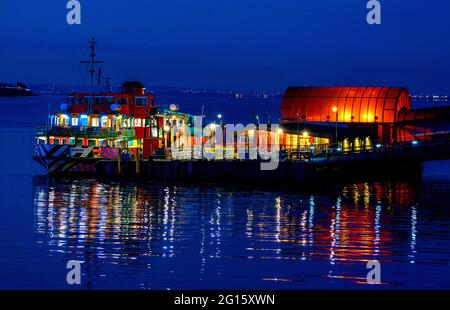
180 236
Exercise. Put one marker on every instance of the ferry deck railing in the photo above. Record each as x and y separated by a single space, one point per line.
303 153
86 132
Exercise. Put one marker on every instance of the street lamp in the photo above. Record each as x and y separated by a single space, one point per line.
335 110
257 120
219 117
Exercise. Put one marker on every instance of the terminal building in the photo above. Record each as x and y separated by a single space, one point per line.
356 118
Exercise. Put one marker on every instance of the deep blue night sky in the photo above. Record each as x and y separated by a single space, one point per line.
242 44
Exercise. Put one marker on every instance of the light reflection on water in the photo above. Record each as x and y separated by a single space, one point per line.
154 236
149 235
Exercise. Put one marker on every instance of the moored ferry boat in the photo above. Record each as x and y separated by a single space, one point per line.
99 126
123 126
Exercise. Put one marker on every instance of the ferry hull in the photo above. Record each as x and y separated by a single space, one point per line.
60 159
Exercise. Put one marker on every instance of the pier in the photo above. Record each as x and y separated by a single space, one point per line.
324 134
394 160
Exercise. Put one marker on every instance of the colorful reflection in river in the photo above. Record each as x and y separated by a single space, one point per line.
217 236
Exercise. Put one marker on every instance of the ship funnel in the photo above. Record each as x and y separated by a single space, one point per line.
133 88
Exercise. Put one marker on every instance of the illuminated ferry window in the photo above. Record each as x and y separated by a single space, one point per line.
63 141
104 121
74 121
72 141
137 122
154 132
84 120
141 101
122 101
92 143
94 122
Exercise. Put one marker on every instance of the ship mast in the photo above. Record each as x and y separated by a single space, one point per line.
107 80
92 62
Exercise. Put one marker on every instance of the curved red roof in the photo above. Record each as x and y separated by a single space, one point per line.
354 104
